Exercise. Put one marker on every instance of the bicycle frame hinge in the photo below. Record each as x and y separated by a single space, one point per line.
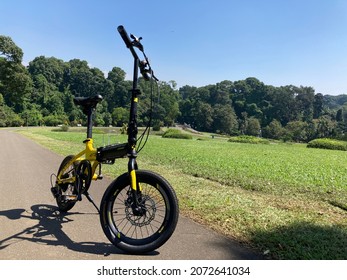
135 92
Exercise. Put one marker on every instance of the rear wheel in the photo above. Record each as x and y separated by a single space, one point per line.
144 226
66 194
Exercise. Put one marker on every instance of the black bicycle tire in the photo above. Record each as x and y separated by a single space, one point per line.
64 206
157 239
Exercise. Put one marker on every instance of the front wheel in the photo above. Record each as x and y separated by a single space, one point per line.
148 226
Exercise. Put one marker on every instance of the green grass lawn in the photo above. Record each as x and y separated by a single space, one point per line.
284 200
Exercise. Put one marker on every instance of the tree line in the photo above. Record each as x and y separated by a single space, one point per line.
42 94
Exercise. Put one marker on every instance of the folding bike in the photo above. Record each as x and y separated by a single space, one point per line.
139 209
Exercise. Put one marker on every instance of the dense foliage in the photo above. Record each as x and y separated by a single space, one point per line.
176 133
42 92
248 139
330 144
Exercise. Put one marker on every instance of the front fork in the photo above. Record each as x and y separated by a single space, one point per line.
132 167
135 195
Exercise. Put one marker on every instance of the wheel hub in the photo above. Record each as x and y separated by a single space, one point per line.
141 214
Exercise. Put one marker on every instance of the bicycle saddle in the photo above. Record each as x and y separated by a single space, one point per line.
87 103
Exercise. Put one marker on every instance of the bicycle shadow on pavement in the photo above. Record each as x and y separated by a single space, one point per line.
49 231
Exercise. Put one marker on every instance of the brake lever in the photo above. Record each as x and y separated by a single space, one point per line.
136 42
147 73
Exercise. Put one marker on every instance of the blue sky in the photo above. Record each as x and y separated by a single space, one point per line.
194 42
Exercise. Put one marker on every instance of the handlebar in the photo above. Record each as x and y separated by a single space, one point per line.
124 36
129 43
135 42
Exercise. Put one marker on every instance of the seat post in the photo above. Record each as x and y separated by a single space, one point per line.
88 105
89 122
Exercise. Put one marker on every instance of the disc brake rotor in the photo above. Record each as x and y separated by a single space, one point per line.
148 208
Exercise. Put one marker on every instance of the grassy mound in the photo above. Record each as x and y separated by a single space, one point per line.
176 133
330 144
249 139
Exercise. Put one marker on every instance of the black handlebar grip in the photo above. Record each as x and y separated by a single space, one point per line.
124 36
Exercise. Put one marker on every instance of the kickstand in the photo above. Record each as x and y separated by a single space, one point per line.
91 200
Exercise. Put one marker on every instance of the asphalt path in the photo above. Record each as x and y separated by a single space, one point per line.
31 227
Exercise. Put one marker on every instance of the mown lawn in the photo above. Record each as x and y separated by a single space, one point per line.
284 200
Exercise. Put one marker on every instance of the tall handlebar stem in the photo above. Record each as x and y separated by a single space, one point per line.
135 43
132 125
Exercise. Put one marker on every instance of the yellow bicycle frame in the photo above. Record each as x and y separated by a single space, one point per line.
89 153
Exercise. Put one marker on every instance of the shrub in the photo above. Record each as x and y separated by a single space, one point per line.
249 139
60 128
98 131
64 128
53 120
325 143
124 128
157 125
175 133
274 130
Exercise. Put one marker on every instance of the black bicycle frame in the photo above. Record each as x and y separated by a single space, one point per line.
135 92
111 152
132 125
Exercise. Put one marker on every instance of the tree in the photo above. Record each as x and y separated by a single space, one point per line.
203 114
32 116
51 68
283 107
102 116
340 115
186 104
116 89
120 116
186 112
297 131
15 81
304 102
250 96
165 106
54 103
43 92
253 126
8 117
116 75
83 80
169 102
10 50
318 105
219 94
54 120
187 92
325 127
41 89
274 130
224 119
